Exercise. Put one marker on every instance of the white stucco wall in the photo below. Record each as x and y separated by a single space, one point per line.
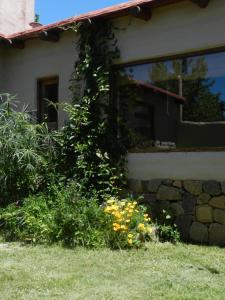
177 165
173 29
15 15
39 59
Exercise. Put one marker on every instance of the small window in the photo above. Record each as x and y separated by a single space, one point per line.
47 97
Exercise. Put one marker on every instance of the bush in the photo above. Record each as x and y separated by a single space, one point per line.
130 225
66 217
166 227
31 222
26 153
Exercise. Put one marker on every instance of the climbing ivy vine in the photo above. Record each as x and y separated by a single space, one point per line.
90 151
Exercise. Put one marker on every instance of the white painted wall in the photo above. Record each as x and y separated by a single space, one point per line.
15 15
177 165
173 29
39 59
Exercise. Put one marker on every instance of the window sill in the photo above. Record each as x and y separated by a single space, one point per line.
196 149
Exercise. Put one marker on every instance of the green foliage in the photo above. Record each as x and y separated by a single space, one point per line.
37 18
26 153
130 224
62 216
31 222
202 103
166 227
66 217
88 148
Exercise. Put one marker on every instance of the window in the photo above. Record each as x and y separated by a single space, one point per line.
47 97
178 102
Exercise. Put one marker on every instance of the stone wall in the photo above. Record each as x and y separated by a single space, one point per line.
198 207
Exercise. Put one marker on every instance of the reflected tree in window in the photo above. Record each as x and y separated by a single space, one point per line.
189 77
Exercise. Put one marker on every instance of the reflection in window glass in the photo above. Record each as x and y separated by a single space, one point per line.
151 96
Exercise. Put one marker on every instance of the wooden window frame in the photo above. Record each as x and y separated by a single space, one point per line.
46 81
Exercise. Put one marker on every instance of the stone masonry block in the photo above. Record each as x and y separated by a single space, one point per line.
217 234
218 202
152 186
199 233
203 198
135 185
212 187
194 187
204 214
219 216
168 193
188 203
223 187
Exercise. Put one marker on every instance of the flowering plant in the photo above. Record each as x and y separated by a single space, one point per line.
130 224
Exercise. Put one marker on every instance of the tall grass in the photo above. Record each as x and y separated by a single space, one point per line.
26 152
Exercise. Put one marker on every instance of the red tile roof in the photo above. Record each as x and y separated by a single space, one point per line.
112 11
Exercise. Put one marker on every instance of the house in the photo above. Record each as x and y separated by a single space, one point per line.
171 74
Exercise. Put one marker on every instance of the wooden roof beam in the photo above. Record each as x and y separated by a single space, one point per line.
17 44
50 36
201 3
141 12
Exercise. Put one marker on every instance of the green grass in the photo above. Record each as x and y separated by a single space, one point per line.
163 271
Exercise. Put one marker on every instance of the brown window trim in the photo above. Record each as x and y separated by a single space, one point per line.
170 57
161 59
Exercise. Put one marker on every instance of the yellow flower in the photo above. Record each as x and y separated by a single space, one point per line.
149 230
124 227
111 201
114 207
147 218
128 221
141 227
130 235
116 226
117 214
130 241
108 209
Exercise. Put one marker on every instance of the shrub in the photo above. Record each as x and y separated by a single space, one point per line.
32 222
65 217
26 152
130 225
166 227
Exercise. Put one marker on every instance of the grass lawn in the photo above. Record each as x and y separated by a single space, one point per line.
163 271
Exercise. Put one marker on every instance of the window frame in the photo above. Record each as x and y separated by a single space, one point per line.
45 81
163 58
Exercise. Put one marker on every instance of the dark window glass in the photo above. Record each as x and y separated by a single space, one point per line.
47 97
150 100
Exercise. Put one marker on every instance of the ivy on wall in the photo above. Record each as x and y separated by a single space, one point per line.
90 151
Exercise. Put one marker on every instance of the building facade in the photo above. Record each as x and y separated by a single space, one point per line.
175 47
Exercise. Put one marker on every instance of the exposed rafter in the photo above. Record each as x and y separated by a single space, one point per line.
201 3
18 44
141 12
50 36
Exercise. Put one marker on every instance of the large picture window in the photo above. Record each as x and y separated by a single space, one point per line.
178 102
